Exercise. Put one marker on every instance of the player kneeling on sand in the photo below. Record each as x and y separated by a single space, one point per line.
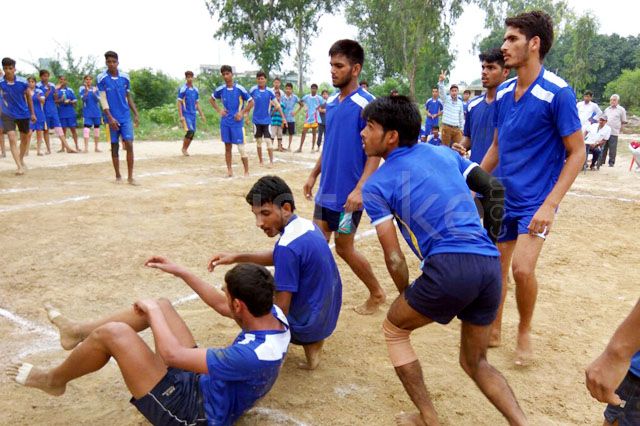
308 285
180 383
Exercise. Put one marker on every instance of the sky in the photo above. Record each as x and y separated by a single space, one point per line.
178 35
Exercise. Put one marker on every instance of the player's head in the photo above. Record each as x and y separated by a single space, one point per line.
111 60
188 76
87 79
466 95
62 80
588 95
261 79
614 100
227 73
288 89
44 76
277 83
9 67
453 91
32 82
250 290
493 69
434 92
272 203
364 84
347 58
325 94
529 36
392 122
435 131
314 89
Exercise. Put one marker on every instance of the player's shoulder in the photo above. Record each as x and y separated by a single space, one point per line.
124 75
362 98
241 88
552 82
183 89
333 97
219 88
71 90
474 102
294 230
20 79
506 87
550 86
102 76
253 88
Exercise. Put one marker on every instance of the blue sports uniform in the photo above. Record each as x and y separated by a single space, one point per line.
117 87
305 267
41 121
312 102
91 113
188 97
530 148
433 107
50 108
435 141
67 111
628 391
479 126
14 104
261 102
233 99
289 106
438 218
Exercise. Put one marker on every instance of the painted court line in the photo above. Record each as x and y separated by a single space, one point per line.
602 197
280 417
16 190
45 203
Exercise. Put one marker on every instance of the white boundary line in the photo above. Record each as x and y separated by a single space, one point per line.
75 199
603 197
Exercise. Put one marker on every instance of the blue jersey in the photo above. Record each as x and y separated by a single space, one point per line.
116 87
433 107
343 158
242 373
435 141
289 106
305 267
635 364
233 100
312 102
66 110
14 104
261 103
37 99
90 102
50 108
424 188
188 97
479 126
530 131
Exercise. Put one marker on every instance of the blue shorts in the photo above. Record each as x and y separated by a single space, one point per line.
92 121
468 286
234 135
628 391
190 122
38 125
53 121
125 131
332 218
175 400
68 123
514 224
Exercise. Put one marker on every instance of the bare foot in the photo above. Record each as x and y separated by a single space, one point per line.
48 152
85 151
371 305
30 376
70 337
409 419
20 172
132 182
39 154
118 180
71 151
496 339
312 352
3 155
60 150
297 151
524 350
184 152
246 174
98 150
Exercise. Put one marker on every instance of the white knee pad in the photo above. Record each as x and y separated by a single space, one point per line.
398 344
270 144
59 131
85 133
241 150
259 142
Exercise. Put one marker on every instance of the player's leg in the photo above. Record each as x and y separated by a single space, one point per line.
506 253
130 161
312 352
96 135
305 129
13 147
25 139
258 136
3 148
115 152
39 141
321 131
30 133
314 134
86 134
267 135
64 146
243 157
74 135
228 153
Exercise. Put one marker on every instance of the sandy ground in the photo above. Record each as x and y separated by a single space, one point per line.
73 237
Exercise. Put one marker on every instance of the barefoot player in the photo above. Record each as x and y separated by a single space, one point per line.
51 111
91 115
40 125
263 99
188 105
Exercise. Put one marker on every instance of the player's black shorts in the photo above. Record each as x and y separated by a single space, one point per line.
262 130
290 129
9 124
332 218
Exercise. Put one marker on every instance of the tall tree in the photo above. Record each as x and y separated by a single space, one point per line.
581 65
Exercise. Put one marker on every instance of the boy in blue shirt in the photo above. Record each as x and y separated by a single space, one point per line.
236 102
178 383
51 111
426 190
66 109
188 105
311 103
277 121
263 100
308 285
91 114
322 117
538 158
17 110
434 137
116 101
434 109
40 125
290 100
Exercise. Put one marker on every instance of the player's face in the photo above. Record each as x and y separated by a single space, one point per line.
9 71
112 64
44 78
62 81
227 76
492 75
434 93
32 84
325 95
276 84
515 48
262 82
314 90
465 96
189 80
87 81
342 72
435 133
586 99
373 139
269 218
288 90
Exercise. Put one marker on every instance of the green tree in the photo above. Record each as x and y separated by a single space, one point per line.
627 85
152 88
580 63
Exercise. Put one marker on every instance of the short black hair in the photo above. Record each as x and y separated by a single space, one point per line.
588 93
43 72
8 62
252 284
270 189
31 78
110 54
314 85
492 56
289 85
466 91
351 49
534 24
188 74
396 113
454 86
87 76
435 88
226 68
261 74
363 82
435 127
277 79
324 91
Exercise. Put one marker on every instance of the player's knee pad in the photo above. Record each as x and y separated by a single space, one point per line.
115 150
189 135
85 133
398 344
59 131
259 142
270 144
96 132
241 150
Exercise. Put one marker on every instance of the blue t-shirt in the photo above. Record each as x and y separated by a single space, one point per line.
433 107
242 373
12 94
435 141
289 106
530 148
635 364
233 100
116 88
188 97
305 267
90 102
479 126
50 108
343 157
66 110
312 103
37 97
261 103
424 188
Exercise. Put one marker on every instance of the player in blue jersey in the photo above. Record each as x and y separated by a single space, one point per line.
116 101
308 285
344 167
66 103
17 110
426 190
311 103
91 114
290 101
263 100
188 105
40 125
434 137
434 110
179 383
3 149
51 111
236 102
322 114
538 159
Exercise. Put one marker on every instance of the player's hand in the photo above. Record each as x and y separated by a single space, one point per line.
163 264
144 306
113 123
354 201
459 149
136 120
224 113
220 259
442 76
285 125
33 118
237 116
603 376
542 220
307 189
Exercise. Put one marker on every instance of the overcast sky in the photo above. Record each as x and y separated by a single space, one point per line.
178 35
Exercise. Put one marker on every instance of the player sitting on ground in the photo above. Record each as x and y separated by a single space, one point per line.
180 383
308 285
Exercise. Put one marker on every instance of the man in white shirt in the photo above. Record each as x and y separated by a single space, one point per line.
617 118
596 135
588 110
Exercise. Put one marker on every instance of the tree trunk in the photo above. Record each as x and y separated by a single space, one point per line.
300 58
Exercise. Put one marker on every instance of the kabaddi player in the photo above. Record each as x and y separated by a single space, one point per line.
311 104
3 149
116 101
344 167
290 100
179 383
308 285
434 109
91 116
40 125
66 109
188 105
263 99
426 190
538 158
51 111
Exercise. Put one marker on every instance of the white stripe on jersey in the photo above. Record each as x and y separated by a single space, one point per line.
543 95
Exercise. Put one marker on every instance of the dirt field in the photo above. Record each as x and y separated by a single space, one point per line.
72 237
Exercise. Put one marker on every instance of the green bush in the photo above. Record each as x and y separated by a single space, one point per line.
627 85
